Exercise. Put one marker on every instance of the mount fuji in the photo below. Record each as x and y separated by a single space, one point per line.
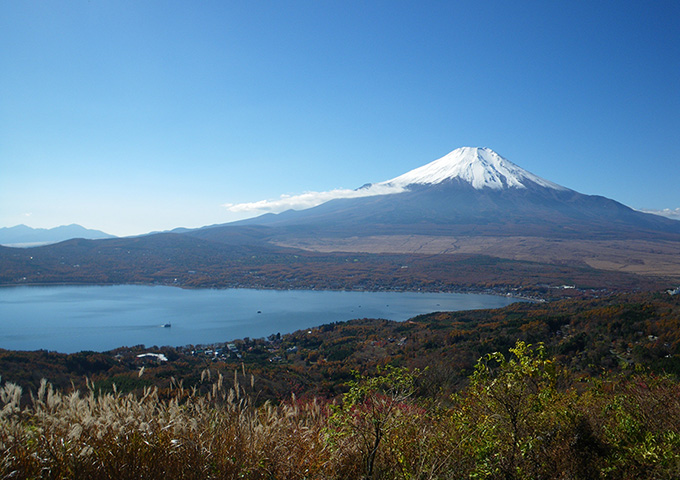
470 191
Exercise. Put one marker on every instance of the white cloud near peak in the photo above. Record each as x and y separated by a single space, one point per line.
310 199
673 213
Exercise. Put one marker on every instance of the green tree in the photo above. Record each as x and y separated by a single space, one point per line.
519 425
372 410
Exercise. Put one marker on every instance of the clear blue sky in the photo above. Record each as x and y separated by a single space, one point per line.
133 116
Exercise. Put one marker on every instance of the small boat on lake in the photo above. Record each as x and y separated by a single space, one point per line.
166 325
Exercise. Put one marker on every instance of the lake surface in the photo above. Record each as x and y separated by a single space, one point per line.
74 318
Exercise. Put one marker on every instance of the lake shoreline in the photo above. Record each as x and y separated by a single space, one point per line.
70 318
500 292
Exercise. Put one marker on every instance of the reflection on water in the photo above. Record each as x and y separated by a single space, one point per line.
74 318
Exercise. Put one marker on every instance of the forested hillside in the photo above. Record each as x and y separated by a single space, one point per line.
183 261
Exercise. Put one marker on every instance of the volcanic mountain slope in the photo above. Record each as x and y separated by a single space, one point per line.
475 201
473 191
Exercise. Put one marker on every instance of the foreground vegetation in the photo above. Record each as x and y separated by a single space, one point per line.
520 417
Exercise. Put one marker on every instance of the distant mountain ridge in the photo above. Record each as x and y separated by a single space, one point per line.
22 235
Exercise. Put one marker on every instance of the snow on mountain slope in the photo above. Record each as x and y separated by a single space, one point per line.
480 167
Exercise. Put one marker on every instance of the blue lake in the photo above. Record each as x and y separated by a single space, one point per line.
74 318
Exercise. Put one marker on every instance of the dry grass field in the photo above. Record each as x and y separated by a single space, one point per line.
643 257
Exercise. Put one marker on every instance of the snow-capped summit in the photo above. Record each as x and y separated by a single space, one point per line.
480 167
